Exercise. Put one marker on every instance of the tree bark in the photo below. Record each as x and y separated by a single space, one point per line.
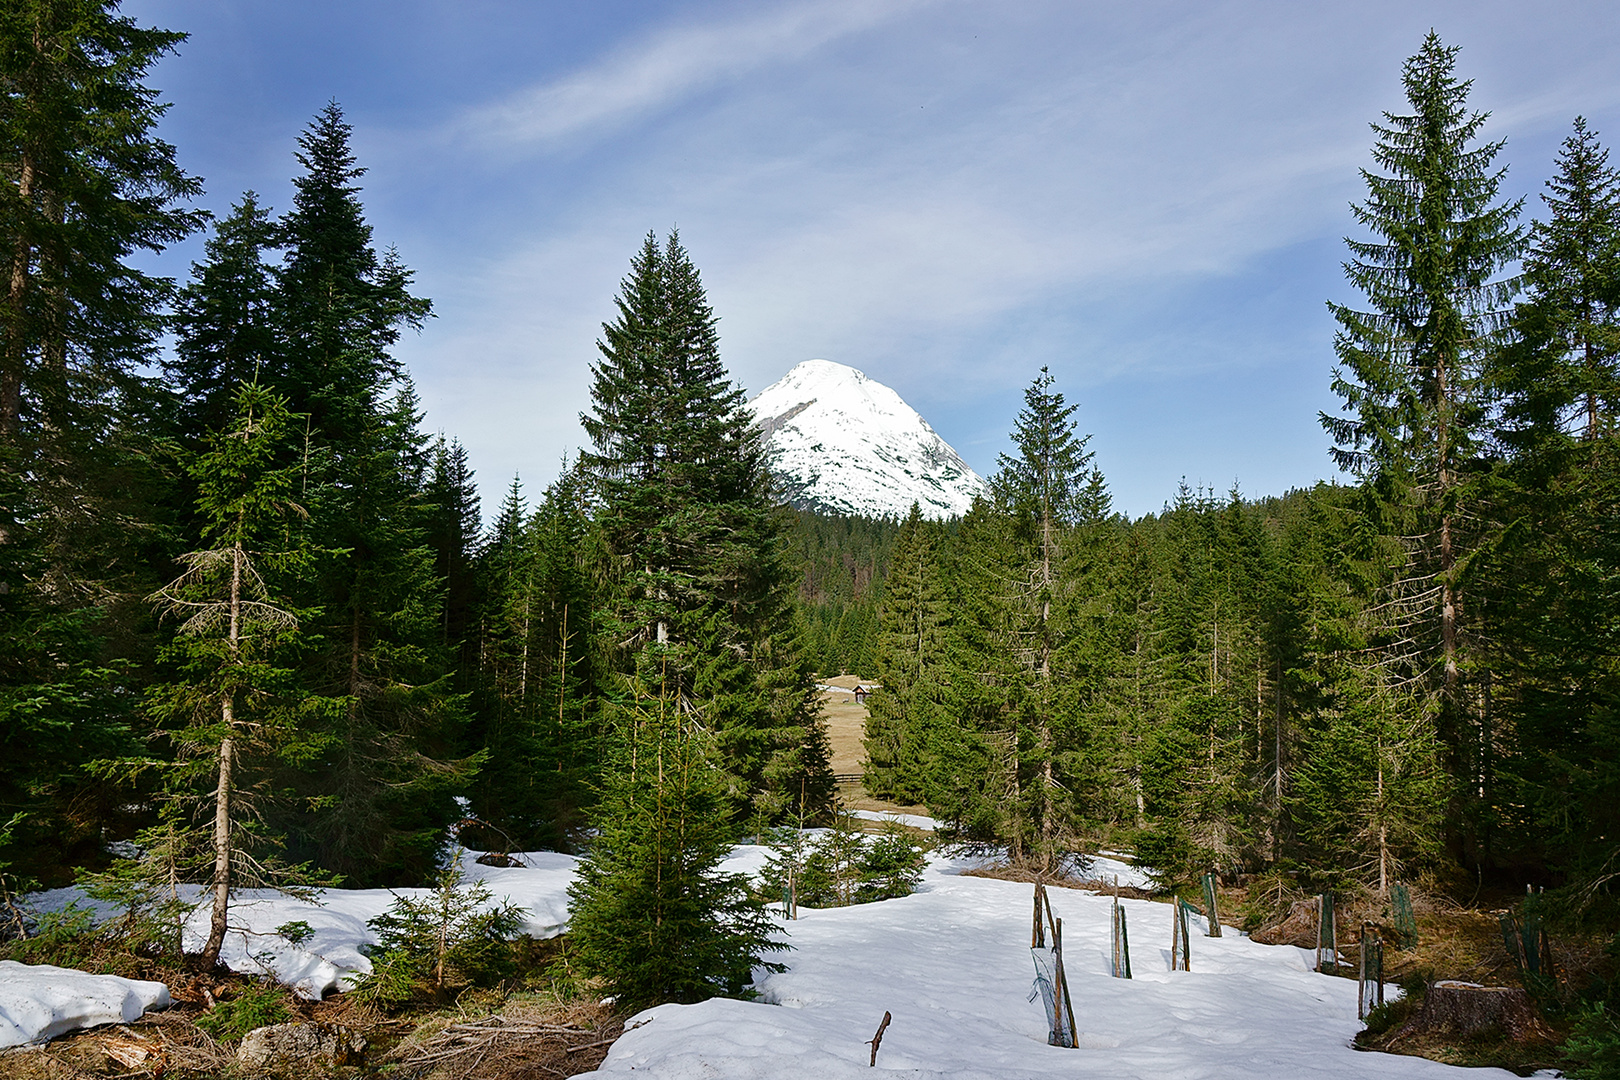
1453 1009
227 760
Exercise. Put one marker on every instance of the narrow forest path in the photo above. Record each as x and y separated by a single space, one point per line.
846 731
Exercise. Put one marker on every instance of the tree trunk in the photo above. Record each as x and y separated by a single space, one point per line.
227 761
1454 1010
16 350
222 845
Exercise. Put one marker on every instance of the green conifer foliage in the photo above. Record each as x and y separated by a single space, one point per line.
1368 794
380 797
653 916
1549 574
1048 490
843 562
232 707
1560 375
909 652
225 323
89 184
88 187
701 596
1410 372
539 668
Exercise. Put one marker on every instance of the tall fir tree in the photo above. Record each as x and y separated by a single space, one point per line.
380 797
701 597
540 669
1409 375
1551 569
1559 374
89 190
1049 488
908 654
225 326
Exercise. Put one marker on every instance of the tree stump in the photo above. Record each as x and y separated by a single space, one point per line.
1454 1010
1297 928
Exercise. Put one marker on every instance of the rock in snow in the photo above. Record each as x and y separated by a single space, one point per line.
38 1001
300 1044
839 442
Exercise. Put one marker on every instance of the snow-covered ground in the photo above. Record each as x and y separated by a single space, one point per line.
916 821
950 963
38 1001
1115 870
337 920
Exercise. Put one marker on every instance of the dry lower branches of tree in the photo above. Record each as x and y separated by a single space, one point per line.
516 1043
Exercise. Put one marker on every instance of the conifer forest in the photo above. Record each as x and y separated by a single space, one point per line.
254 619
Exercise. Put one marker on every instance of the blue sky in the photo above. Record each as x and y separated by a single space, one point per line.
1147 198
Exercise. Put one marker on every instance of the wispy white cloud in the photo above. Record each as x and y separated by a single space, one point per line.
941 197
659 71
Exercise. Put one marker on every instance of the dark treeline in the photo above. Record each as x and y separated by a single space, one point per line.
844 561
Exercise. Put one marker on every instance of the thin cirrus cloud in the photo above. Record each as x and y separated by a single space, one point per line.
668 67
947 194
886 238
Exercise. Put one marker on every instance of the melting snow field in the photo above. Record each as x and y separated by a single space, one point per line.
916 821
951 963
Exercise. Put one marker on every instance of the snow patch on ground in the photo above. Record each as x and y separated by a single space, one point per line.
1115 870
951 964
330 956
39 1002
916 821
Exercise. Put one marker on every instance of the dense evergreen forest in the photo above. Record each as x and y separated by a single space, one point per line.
1407 676
251 614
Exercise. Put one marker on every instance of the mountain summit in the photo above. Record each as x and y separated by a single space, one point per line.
839 442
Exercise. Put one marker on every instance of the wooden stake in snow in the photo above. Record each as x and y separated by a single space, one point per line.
1180 947
878 1038
1212 911
1065 1036
1327 935
1122 945
1051 982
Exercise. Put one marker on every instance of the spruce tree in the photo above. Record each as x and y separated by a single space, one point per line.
1409 366
653 916
1559 373
1551 570
701 597
380 797
1048 489
231 705
540 668
910 649
225 325
89 189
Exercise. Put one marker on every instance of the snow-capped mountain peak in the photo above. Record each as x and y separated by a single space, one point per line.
843 443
